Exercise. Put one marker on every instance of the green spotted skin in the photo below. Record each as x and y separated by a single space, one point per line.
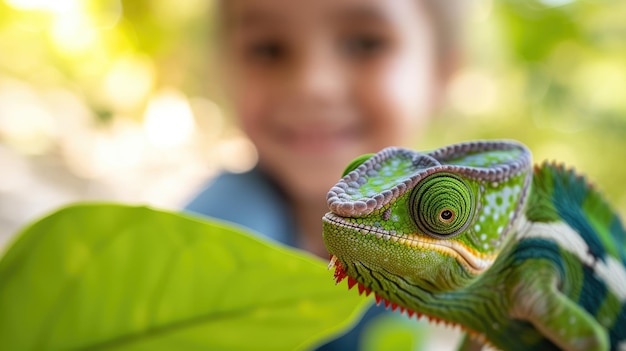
521 257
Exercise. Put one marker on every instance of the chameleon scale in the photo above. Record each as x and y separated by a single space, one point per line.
474 236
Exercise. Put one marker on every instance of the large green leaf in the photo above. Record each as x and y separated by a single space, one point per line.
133 278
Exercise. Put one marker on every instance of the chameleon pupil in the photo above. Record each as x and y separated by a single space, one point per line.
446 215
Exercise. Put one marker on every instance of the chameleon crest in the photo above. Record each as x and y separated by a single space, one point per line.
472 235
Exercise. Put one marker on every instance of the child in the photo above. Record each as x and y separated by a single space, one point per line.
314 84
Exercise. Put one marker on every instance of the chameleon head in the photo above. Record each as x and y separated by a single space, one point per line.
435 219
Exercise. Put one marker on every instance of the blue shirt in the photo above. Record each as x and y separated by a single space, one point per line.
253 200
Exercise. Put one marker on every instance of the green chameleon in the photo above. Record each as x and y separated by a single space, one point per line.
472 235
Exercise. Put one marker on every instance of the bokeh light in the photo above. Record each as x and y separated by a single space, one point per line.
128 82
168 120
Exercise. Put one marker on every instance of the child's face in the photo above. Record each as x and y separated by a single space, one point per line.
318 82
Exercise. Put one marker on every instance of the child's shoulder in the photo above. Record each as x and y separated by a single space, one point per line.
250 199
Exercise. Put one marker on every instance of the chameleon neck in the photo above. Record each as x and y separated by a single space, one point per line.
462 301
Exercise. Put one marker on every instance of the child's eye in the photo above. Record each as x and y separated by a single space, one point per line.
362 46
266 51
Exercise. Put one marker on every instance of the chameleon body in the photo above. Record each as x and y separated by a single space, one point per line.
520 257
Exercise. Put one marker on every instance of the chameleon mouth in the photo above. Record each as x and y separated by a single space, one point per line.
474 261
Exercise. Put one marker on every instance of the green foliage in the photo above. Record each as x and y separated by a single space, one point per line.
392 332
526 24
133 278
553 74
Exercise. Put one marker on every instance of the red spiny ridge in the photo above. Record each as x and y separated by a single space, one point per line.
351 282
340 274
363 289
378 299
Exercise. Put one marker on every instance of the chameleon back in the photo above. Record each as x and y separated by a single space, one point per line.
571 224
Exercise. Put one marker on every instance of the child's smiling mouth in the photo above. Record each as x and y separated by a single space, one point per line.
314 140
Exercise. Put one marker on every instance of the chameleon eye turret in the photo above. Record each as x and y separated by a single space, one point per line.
442 205
471 234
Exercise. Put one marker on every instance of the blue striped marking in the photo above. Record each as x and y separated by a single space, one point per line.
593 292
535 248
568 196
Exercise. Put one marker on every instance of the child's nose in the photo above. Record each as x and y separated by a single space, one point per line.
316 78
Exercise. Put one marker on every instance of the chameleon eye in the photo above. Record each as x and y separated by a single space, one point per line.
356 163
442 205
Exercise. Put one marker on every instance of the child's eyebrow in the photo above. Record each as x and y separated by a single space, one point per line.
254 18
360 14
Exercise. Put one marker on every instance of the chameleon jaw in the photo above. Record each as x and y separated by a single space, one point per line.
475 262
341 274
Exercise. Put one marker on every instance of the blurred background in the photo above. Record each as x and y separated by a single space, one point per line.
121 100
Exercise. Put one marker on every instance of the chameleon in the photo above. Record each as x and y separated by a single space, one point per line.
519 256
